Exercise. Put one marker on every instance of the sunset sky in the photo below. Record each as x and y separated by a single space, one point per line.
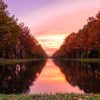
51 20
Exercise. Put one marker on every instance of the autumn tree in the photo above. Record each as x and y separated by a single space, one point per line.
84 44
15 39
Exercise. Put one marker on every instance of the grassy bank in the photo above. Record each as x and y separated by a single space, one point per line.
9 61
82 60
51 97
89 60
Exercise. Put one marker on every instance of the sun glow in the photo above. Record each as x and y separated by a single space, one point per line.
51 76
52 37
51 42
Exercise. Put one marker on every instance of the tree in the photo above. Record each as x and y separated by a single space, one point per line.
84 44
15 39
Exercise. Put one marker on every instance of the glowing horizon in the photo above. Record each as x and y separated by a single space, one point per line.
53 43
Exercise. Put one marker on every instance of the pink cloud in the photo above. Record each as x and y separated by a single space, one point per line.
65 23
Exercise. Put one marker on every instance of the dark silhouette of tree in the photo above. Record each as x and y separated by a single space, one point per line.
15 39
84 44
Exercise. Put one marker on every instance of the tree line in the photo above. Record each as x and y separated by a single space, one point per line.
16 42
84 44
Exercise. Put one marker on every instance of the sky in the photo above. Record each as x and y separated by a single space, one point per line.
50 21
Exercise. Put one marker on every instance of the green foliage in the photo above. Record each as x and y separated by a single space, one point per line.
51 97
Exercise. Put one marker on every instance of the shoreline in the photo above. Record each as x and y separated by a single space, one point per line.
50 97
80 59
10 61
7 61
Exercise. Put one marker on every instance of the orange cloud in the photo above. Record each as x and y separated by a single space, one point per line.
50 43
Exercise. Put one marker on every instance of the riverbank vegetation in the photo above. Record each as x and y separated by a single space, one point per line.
10 61
16 42
51 97
84 44
94 60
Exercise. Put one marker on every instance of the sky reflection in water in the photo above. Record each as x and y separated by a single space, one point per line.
50 77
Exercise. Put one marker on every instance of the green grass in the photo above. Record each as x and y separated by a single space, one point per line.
82 60
90 60
11 61
51 97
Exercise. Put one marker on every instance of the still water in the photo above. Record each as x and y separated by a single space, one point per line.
51 76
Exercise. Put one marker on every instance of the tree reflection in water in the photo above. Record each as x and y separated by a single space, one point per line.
84 75
17 78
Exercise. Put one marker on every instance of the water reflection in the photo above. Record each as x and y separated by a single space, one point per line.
50 77
52 80
86 76
18 77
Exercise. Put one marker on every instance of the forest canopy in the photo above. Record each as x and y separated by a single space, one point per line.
84 44
16 42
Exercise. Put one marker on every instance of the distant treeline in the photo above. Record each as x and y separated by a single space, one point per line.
84 44
15 38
